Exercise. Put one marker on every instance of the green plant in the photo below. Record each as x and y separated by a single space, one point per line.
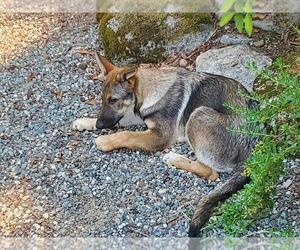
277 92
279 233
239 10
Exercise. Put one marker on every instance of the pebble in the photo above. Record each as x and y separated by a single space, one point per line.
162 191
39 208
36 226
287 183
259 43
183 63
46 216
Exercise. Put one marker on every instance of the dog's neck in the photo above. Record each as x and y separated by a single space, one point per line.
151 86
138 93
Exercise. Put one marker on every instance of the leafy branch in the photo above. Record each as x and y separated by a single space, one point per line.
277 92
239 10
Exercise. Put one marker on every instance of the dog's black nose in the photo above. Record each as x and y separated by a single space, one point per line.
99 124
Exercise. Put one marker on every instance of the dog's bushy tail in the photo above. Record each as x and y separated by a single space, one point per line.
206 205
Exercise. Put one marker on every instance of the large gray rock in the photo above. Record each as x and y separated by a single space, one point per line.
154 6
230 62
131 38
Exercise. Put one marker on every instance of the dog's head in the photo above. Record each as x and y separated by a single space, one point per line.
118 92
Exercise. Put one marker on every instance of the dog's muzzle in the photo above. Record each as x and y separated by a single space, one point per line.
108 122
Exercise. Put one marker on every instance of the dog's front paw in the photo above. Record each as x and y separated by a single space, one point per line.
170 158
84 124
105 143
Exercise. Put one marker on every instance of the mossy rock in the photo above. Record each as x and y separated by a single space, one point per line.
263 87
267 88
154 6
132 38
293 61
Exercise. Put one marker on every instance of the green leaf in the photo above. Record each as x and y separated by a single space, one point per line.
297 29
226 6
238 7
278 63
248 7
248 24
239 21
226 18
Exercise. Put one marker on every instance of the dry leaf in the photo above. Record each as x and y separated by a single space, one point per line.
44 43
12 67
30 77
255 30
18 105
33 160
5 137
24 181
59 155
73 144
47 157
259 16
58 94
82 51
92 102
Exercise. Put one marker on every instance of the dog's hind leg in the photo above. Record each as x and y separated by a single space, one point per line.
213 144
84 124
220 149
195 167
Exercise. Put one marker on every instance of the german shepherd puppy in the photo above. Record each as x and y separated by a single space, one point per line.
177 104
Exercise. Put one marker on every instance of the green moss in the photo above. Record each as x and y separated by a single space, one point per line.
264 86
293 61
154 6
142 37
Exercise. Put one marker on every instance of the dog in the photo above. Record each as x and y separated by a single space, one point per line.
177 105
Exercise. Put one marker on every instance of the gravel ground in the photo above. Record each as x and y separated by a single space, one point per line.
53 181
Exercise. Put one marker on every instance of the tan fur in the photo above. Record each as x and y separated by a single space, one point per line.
195 167
143 140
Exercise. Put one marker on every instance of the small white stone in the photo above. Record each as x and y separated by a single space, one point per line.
162 191
36 226
45 215
183 63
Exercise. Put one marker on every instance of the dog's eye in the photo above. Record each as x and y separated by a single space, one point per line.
112 100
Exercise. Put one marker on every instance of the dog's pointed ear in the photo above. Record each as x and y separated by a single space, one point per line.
128 73
131 73
104 64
